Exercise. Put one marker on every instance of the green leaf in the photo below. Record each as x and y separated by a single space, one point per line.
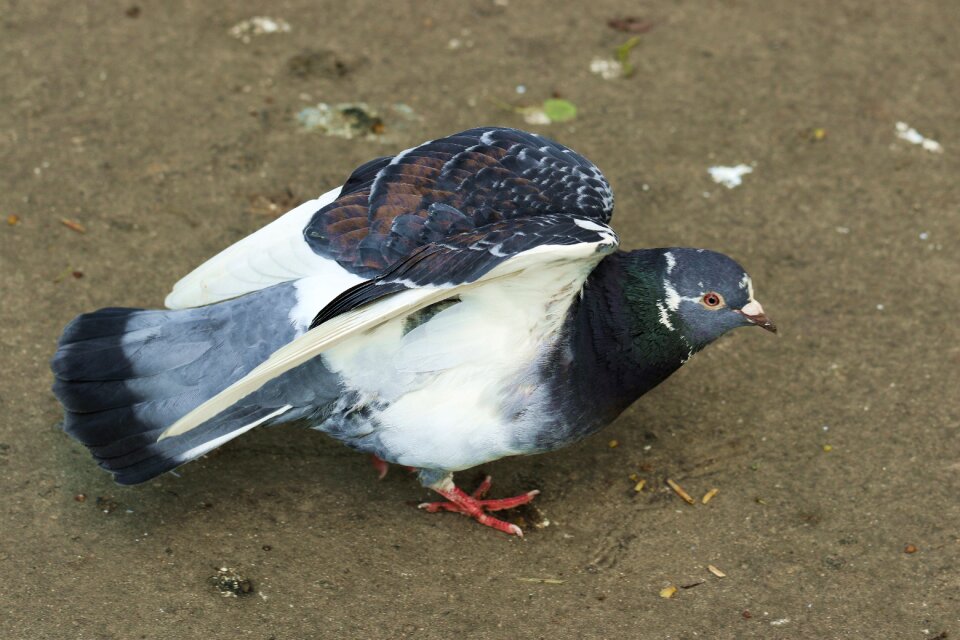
623 55
559 110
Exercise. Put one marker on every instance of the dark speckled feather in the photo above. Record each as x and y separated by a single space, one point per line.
391 206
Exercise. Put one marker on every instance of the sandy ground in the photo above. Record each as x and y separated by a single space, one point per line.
833 447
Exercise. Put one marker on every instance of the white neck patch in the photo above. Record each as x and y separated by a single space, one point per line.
673 299
747 283
671 262
664 316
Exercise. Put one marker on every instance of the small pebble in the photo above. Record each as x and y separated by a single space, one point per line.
910 549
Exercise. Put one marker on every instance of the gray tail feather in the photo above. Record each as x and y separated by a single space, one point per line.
125 375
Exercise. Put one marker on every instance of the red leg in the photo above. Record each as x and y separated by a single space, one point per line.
380 465
476 508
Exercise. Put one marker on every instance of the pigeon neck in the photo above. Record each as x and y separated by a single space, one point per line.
621 348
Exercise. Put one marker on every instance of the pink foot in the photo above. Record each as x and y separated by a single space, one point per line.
475 507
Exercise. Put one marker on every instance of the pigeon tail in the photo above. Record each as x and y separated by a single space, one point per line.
125 375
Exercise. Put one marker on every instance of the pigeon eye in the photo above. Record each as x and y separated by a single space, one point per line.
712 300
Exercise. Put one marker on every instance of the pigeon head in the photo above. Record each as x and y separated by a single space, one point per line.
705 294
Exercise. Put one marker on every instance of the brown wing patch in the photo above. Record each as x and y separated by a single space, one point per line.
452 185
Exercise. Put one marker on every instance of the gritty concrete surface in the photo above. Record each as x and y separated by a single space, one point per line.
833 447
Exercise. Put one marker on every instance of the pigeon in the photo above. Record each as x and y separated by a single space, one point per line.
462 301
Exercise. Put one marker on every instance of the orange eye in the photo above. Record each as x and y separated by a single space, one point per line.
712 300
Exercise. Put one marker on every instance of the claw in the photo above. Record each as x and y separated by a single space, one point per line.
474 506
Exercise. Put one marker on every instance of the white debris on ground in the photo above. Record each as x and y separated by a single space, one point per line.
536 115
258 26
606 68
729 177
357 120
911 135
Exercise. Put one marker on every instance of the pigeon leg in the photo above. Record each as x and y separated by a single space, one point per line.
380 465
474 506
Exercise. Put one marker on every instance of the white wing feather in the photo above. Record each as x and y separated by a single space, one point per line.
582 257
274 254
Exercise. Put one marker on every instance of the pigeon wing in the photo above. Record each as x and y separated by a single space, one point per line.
447 186
550 247
392 206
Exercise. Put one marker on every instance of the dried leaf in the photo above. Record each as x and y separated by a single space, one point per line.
73 225
631 24
668 592
712 569
680 492
13 219
542 580
639 486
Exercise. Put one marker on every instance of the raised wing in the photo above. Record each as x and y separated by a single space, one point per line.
391 206
555 251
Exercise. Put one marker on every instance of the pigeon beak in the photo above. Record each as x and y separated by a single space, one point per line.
753 312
